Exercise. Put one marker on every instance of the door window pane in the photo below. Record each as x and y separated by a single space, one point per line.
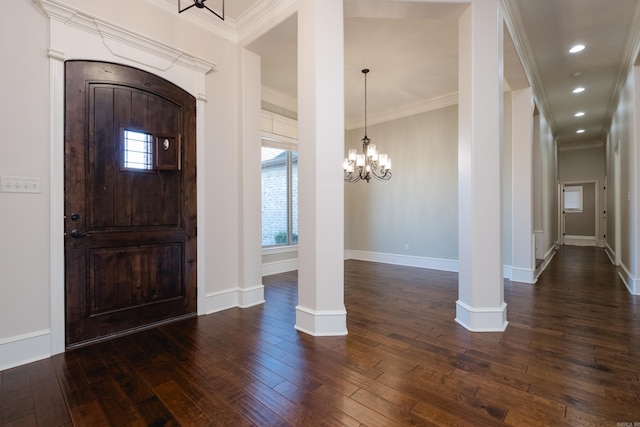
138 150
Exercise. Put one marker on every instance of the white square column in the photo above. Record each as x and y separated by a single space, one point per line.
480 306
523 253
250 288
320 309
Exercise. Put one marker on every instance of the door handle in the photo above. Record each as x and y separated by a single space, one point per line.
77 233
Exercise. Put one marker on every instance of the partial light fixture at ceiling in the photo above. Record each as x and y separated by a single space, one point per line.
578 90
200 5
369 163
580 131
577 48
579 114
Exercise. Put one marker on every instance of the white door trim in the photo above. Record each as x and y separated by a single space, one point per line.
576 240
74 34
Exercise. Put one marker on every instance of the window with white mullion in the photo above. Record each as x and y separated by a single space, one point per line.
279 193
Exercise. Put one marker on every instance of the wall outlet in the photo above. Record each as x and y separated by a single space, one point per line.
19 184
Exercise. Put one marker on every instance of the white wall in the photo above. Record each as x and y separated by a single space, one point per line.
24 151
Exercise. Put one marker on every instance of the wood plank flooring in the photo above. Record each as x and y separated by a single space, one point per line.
570 356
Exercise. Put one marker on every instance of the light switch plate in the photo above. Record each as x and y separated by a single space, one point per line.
19 184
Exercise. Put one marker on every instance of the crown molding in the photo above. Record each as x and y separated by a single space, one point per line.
123 43
281 99
260 18
580 146
515 25
631 49
404 111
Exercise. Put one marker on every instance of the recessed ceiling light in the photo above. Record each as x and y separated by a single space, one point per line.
580 131
576 75
577 48
579 114
578 90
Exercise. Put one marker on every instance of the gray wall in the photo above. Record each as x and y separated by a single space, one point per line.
545 189
583 223
580 165
416 212
418 207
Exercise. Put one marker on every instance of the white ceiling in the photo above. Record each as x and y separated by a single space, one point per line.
411 49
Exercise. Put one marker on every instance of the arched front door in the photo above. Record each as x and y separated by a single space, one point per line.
130 201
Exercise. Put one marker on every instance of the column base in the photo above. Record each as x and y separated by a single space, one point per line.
482 319
248 297
327 323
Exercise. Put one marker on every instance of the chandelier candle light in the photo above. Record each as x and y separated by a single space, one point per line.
369 163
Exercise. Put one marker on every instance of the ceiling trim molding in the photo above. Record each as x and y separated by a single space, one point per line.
404 111
631 49
580 146
515 25
260 18
281 99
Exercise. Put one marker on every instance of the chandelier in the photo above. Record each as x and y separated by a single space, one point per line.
369 163
200 5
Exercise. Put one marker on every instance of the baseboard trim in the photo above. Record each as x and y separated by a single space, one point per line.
482 319
547 259
25 348
580 240
632 283
523 275
276 267
234 297
248 297
404 260
321 323
610 253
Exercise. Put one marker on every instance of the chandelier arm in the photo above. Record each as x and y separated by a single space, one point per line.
382 177
350 177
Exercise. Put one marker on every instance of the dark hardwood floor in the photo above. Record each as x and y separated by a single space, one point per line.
570 356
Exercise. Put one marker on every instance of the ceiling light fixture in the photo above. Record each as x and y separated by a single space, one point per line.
578 90
577 48
200 5
365 165
579 114
580 131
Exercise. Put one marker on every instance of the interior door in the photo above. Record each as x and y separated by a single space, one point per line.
579 212
130 201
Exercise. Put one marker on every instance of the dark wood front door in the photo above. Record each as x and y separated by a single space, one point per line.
130 201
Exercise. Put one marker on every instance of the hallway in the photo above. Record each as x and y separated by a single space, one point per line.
570 356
